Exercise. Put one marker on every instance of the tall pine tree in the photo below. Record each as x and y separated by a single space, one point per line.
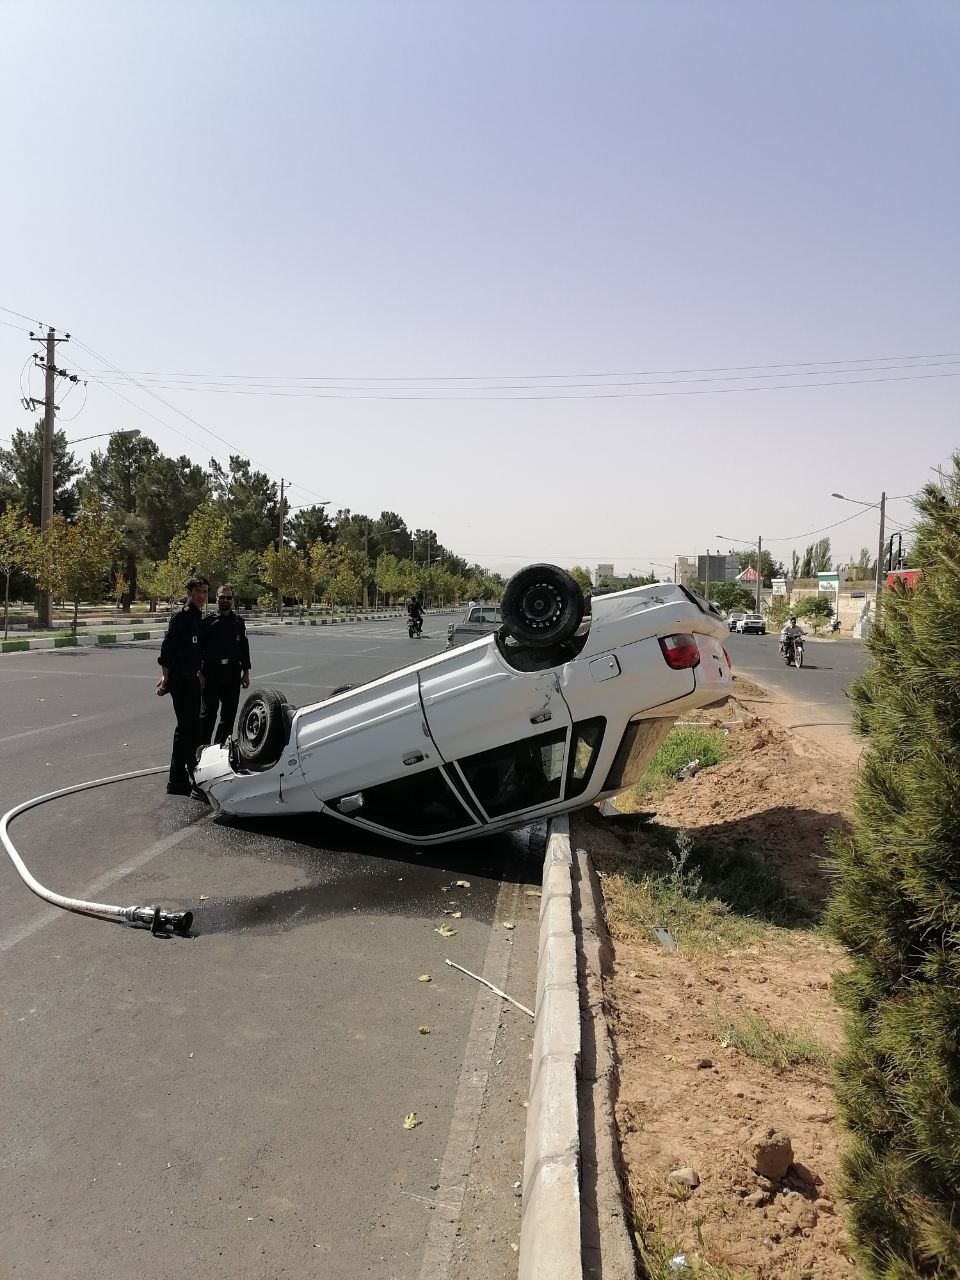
896 906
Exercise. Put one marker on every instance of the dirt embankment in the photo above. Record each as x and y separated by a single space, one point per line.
730 1035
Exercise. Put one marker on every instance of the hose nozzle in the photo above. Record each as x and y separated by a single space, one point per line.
160 922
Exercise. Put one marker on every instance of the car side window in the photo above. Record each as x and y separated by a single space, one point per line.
422 804
584 745
519 775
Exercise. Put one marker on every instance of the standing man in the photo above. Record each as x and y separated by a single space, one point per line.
226 667
181 661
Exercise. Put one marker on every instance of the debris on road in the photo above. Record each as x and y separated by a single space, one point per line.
411 1121
496 990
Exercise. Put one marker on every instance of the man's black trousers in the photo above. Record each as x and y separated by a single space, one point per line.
221 691
184 689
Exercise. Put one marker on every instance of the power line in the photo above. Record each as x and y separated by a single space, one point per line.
174 409
445 398
529 377
174 381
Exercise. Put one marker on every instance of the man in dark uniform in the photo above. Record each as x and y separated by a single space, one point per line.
226 667
181 660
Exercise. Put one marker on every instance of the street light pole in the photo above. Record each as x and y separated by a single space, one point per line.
759 576
883 513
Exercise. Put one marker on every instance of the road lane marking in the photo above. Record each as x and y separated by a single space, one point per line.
264 675
471 1091
48 728
24 931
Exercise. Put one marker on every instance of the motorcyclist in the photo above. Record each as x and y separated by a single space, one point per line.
790 632
415 612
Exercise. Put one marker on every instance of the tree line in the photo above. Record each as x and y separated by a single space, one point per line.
135 524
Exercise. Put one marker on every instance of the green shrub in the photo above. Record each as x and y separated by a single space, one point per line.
896 907
679 747
771 1046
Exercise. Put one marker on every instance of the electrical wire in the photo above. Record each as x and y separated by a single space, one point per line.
254 386
186 416
495 399
530 377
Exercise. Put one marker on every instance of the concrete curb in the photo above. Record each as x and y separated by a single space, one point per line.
69 641
125 635
550 1221
573 1225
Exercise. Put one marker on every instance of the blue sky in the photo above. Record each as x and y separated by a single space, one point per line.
412 192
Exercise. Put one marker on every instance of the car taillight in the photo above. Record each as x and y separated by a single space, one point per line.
680 651
727 656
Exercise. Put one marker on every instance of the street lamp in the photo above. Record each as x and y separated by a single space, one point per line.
883 513
748 543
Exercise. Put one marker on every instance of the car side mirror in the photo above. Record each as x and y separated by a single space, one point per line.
352 803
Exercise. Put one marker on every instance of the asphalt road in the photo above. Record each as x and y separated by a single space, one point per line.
829 668
234 1101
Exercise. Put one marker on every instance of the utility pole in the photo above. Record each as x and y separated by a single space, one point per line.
280 521
706 577
759 574
883 514
46 483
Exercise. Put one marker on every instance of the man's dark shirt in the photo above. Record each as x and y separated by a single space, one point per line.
225 643
182 648
414 609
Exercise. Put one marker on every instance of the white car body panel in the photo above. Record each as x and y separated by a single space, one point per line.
458 729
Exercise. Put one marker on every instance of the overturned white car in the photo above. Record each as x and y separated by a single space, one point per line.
559 708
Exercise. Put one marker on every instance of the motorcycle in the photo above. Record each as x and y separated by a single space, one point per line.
792 649
414 627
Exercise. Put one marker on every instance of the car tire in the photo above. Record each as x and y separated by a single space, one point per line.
263 728
542 605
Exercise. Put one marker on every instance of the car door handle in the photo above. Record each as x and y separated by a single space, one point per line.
414 758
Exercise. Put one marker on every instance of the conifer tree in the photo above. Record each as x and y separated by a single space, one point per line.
896 907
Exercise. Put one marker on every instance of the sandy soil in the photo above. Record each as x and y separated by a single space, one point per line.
686 1101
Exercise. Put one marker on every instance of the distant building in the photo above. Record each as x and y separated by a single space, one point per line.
723 568
685 571
603 571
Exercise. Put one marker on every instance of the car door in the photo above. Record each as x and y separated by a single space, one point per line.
504 732
369 757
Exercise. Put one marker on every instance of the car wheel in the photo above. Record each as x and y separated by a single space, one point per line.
542 605
262 728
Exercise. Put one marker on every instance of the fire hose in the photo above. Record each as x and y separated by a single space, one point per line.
154 918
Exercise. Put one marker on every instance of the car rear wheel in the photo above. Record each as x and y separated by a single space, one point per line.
263 728
542 605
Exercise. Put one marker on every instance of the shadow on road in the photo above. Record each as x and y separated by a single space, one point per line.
351 871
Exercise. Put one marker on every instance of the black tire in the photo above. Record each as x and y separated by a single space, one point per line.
542 605
262 728
411 631
798 654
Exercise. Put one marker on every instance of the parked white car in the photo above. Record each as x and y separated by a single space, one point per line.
554 711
